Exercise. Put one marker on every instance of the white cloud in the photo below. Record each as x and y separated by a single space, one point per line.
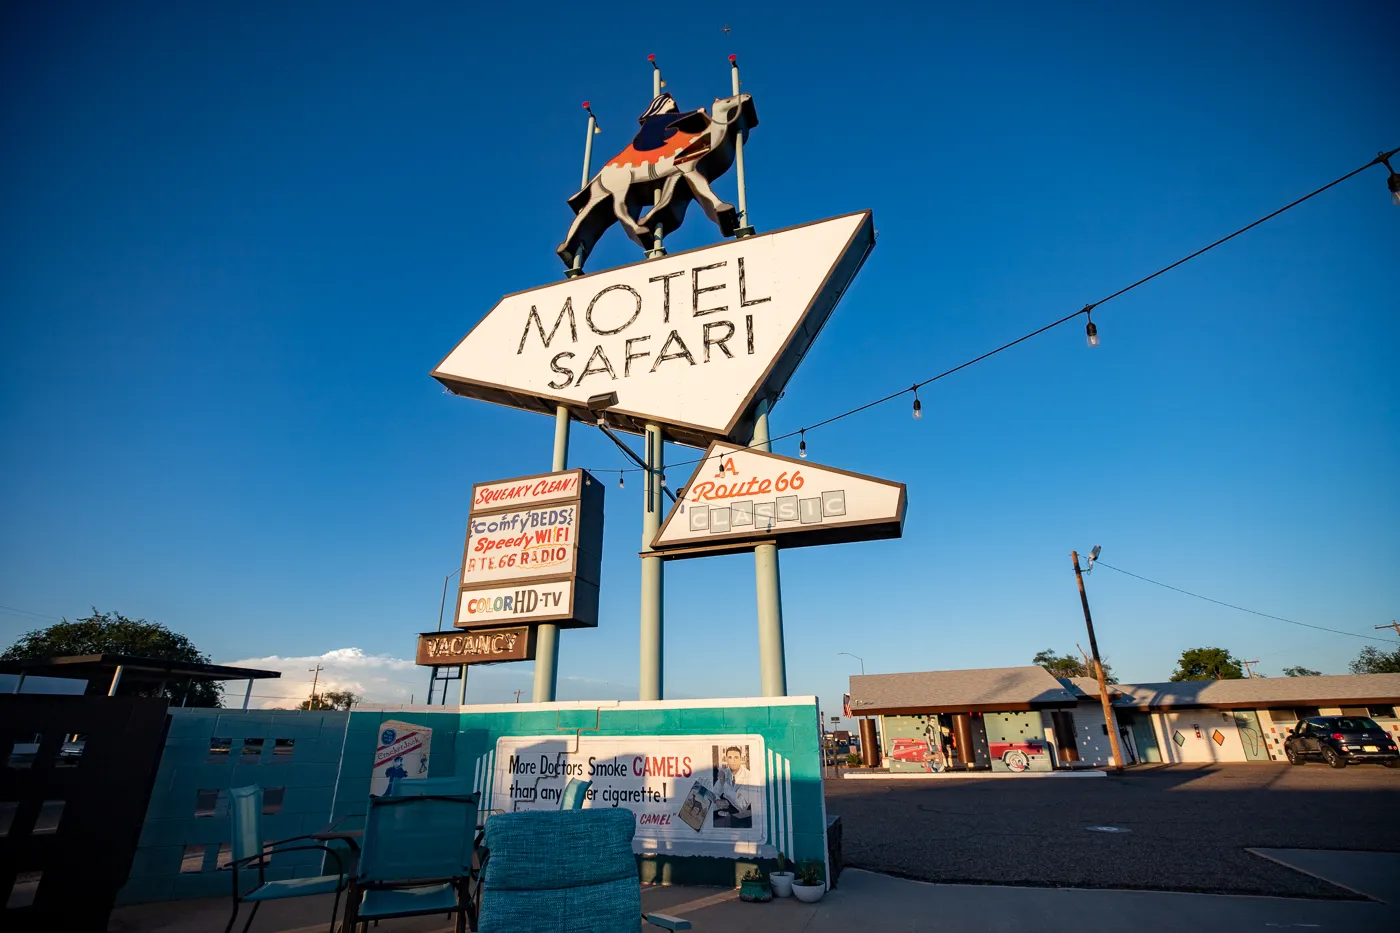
375 677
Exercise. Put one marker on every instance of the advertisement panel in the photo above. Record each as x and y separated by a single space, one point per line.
691 340
526 491
738 497
691 793
512 603
402 754
519 545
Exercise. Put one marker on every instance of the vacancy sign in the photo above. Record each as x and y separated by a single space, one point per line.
740 497
690 341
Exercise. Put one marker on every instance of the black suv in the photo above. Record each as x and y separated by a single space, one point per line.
1340 740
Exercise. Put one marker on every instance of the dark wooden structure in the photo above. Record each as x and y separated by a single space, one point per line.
76 779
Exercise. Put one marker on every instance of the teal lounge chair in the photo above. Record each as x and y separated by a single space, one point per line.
416 858
573 870
247 849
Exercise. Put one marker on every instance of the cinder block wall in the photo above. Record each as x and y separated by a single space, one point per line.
293 755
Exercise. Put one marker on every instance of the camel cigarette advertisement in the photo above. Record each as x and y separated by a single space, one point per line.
402 754
739 496
686 340
690 793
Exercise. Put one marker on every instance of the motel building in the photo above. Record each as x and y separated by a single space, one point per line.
1022 719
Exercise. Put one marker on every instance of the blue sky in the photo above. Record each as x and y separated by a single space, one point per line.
237 238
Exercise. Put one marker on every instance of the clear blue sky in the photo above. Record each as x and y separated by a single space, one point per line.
236 238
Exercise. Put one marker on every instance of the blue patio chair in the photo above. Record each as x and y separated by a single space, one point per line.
416 858
575 793
247 848
572 870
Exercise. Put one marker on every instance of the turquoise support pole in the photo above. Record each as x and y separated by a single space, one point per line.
652 638
772 657
547 636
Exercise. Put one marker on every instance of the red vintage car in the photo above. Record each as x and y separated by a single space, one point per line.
1016 755
918 752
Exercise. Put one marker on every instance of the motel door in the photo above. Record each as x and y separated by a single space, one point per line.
1251 735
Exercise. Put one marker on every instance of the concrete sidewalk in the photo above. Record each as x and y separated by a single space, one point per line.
869 901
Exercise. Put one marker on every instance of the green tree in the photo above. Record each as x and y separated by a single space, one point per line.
114 633
1300 672
1373 660
1207 664
1067 665
331 699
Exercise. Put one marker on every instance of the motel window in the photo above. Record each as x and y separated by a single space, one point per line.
1354 711
1283 715
1381 712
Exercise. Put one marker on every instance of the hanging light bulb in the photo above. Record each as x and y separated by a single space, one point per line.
1091 331
663 480
802 445
587 480
1393 183
620 483
918 406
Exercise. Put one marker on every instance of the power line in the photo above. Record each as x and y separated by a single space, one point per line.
26 612
1320 628
1380 159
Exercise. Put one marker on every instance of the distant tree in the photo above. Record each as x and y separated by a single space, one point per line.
1067 665
1301 672
114 633
1372 660
331 699
1207 664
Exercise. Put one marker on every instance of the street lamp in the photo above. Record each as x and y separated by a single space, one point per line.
857 657
443 606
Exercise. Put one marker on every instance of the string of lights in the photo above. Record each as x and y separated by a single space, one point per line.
1091 330
1219 602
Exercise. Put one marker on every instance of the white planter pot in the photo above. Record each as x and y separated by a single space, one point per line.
808 893
782 883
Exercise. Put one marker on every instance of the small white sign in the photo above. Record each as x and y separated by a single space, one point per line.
510 604
526 491
703 794
690 340
521 544
738 496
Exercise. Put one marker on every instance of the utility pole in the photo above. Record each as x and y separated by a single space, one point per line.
1393 624
1249 669
517 695
1098 668
315 676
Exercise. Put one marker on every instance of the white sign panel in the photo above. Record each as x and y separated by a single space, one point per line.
520 544
523 602
689 341
528 490
402 754
699 794
738 496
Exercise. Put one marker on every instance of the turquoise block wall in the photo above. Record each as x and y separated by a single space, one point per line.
307 777
327 776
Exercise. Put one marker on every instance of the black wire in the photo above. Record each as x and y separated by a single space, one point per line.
1389 641
1380 159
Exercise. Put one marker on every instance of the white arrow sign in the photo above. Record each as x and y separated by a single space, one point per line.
690 341
739 497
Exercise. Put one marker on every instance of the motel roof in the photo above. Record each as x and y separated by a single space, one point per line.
1253 692
1006 689
993 689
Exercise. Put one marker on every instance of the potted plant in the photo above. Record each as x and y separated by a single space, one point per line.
754 887
811 882
782 878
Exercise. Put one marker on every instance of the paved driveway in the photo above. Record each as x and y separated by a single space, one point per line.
1188 826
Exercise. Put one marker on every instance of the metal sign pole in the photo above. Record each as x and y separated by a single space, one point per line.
650 685
657 248
745 228
772 658
547 653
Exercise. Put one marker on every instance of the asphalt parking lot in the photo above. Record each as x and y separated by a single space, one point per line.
1187 827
